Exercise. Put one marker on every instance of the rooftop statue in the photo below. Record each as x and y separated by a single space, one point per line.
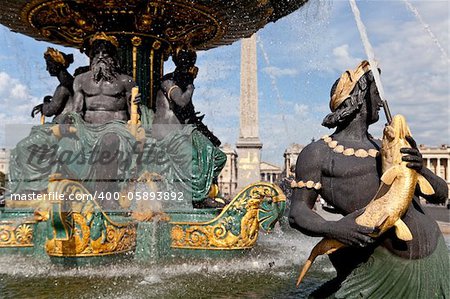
345 170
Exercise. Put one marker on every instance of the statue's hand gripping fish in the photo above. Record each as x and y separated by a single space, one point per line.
393 197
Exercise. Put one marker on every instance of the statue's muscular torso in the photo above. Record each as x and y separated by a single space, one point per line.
349 183
102 101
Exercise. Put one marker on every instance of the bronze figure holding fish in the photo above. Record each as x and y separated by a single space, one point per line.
348 171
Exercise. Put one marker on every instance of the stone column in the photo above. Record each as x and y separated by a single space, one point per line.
249 145
448 170
429 163
438 167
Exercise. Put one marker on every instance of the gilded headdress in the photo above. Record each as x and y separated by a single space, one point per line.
102 36
56 56
347 83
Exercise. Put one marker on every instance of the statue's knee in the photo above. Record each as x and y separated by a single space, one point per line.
108 149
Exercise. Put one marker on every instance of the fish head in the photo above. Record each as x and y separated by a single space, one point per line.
394 138
401 129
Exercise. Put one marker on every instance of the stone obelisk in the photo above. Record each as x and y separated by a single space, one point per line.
249 145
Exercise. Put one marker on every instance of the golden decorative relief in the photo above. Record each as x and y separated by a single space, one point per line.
136 41
16 235
90 232
112 240
227 21
237 227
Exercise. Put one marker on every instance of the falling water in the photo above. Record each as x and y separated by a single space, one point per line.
273 81
370 55
427 28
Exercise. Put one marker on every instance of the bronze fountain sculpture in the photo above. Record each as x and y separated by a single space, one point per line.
106 146
345 170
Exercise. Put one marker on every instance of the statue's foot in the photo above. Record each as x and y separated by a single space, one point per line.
210 203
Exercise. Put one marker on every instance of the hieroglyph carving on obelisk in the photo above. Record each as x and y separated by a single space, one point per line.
249 145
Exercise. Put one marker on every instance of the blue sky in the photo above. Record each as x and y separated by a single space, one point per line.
299 58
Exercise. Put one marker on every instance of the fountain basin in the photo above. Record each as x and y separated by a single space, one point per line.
82 233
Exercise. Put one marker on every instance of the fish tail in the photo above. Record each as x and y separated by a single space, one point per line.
326 246
304 270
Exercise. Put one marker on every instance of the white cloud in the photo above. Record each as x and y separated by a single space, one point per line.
17 102
343 59
415 77
280 72
216 102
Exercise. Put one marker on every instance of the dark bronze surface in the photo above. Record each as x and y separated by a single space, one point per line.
202 24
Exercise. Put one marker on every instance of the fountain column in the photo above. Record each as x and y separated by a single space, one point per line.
143 58
249 145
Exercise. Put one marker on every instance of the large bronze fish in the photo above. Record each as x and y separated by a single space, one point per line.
393 197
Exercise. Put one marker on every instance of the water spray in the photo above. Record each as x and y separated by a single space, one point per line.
427 29
371 57
273 80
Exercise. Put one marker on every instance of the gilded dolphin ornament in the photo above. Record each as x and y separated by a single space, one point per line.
393 197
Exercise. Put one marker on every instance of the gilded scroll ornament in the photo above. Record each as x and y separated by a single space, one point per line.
91 233
16 235
237 227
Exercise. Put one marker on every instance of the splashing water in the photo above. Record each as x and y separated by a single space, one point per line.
273 80
370 55
267 271
427 29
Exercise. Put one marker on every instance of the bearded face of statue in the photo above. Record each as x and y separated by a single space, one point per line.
103 63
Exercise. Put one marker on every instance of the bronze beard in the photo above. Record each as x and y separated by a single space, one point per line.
104 69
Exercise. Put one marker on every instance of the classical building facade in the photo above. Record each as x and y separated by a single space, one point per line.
4 160
290 158
4 167
269 172
229 177
437 159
